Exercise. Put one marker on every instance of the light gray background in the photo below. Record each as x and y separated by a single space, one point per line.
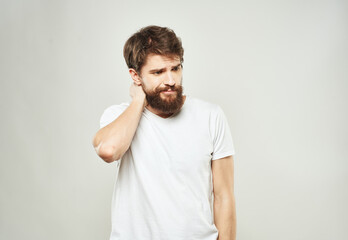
277 68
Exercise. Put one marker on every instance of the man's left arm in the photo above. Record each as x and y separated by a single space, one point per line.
224 201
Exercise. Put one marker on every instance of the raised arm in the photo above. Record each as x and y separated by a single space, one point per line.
113 140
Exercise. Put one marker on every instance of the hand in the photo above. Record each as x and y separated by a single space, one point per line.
137 93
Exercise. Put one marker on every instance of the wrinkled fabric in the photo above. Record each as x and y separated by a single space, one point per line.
163 188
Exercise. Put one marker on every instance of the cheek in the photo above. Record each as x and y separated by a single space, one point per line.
178 78
144 85
148 85
178 75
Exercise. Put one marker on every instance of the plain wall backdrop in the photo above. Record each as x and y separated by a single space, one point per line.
277 68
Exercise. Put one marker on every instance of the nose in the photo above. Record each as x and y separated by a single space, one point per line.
169 79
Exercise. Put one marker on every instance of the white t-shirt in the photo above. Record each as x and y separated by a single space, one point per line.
163 188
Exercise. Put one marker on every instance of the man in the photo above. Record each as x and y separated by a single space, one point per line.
174 153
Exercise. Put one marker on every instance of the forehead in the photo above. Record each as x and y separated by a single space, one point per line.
160 61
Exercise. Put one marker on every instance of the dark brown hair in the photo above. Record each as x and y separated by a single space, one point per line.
151 39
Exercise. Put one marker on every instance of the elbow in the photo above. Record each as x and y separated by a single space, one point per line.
109 154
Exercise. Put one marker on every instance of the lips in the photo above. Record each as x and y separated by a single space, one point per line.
169 92
168 89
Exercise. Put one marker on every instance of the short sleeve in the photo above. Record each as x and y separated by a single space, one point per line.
221 135
111 113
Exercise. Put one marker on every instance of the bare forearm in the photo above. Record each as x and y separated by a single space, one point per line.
225 217
112 141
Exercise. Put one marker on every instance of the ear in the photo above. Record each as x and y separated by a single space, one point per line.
135 76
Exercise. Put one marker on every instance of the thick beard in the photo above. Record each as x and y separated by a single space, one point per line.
170 103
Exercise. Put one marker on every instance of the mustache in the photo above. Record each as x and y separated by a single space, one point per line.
175 88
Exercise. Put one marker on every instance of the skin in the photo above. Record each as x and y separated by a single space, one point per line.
158 73
112 141
224 200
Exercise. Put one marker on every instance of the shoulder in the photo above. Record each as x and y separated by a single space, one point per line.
111 113
116 107
203 104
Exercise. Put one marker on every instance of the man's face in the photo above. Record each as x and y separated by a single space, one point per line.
161 79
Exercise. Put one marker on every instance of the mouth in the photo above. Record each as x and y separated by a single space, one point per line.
169 92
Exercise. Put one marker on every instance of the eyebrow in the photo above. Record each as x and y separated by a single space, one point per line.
162 69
